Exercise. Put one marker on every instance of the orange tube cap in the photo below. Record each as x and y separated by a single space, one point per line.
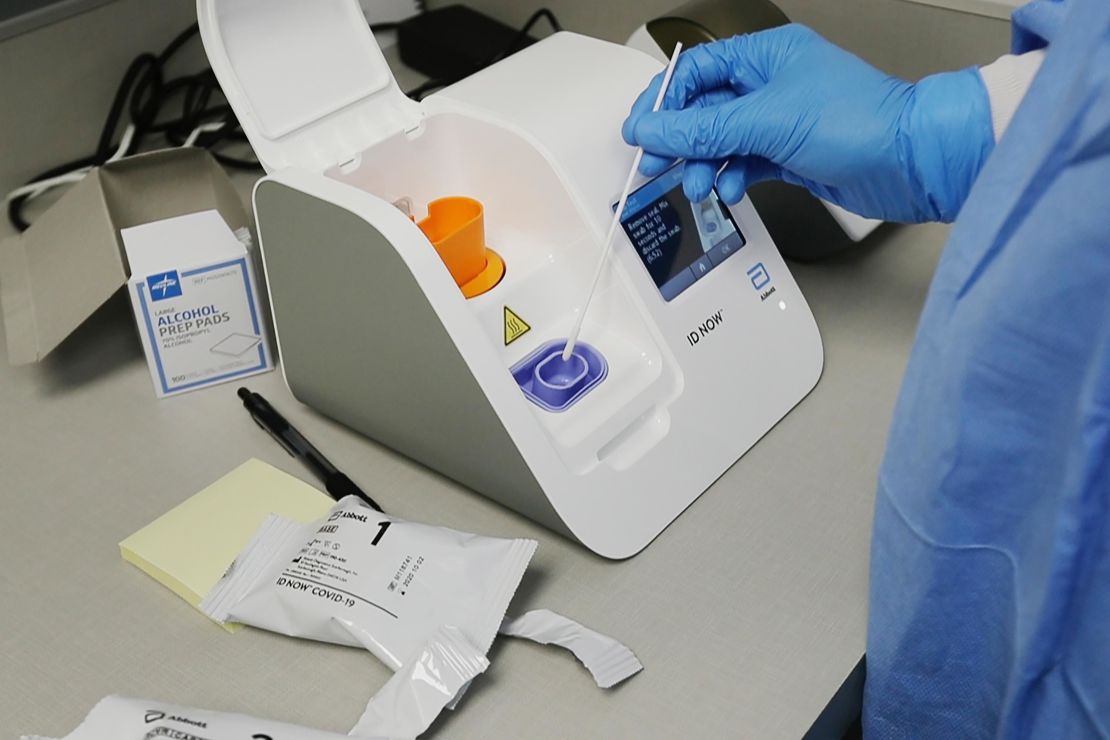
456 228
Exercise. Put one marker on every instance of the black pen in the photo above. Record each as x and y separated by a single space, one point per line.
337 484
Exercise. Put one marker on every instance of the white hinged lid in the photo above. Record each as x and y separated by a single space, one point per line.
306 79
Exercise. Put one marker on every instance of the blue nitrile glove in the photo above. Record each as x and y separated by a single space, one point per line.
787 104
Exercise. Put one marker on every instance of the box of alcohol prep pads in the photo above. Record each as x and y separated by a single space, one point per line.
196 302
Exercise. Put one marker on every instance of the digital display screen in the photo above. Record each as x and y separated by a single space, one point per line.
679 242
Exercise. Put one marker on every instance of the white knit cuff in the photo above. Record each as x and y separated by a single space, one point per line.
1006 81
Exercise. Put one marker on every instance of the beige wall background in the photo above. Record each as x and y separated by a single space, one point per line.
57 82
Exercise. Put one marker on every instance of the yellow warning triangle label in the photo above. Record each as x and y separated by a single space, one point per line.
515 327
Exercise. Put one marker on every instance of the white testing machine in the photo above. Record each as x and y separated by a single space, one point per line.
439 334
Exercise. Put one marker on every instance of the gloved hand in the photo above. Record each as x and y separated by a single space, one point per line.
787 104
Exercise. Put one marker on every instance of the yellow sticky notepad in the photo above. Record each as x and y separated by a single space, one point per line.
190 547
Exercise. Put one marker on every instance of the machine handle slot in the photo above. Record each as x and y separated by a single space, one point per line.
631 443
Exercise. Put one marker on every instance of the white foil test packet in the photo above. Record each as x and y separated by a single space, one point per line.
607 660
404 708
410 701
362 578
122 718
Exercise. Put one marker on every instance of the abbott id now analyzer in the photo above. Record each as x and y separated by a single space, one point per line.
427 261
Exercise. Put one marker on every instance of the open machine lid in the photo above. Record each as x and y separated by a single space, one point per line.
306 79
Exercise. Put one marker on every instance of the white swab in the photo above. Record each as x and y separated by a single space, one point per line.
608 246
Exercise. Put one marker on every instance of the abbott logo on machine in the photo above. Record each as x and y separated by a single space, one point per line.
164 285
757 273
761 281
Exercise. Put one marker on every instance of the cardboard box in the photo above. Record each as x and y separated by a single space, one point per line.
196 303
71 260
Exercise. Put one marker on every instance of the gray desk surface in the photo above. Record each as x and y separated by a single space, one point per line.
748 612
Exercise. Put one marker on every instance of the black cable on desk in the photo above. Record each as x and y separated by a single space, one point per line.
420 91
145 96
522 35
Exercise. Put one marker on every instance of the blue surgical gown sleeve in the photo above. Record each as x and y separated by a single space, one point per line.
1035 24
990 562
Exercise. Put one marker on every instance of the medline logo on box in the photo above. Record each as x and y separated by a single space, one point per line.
164 285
